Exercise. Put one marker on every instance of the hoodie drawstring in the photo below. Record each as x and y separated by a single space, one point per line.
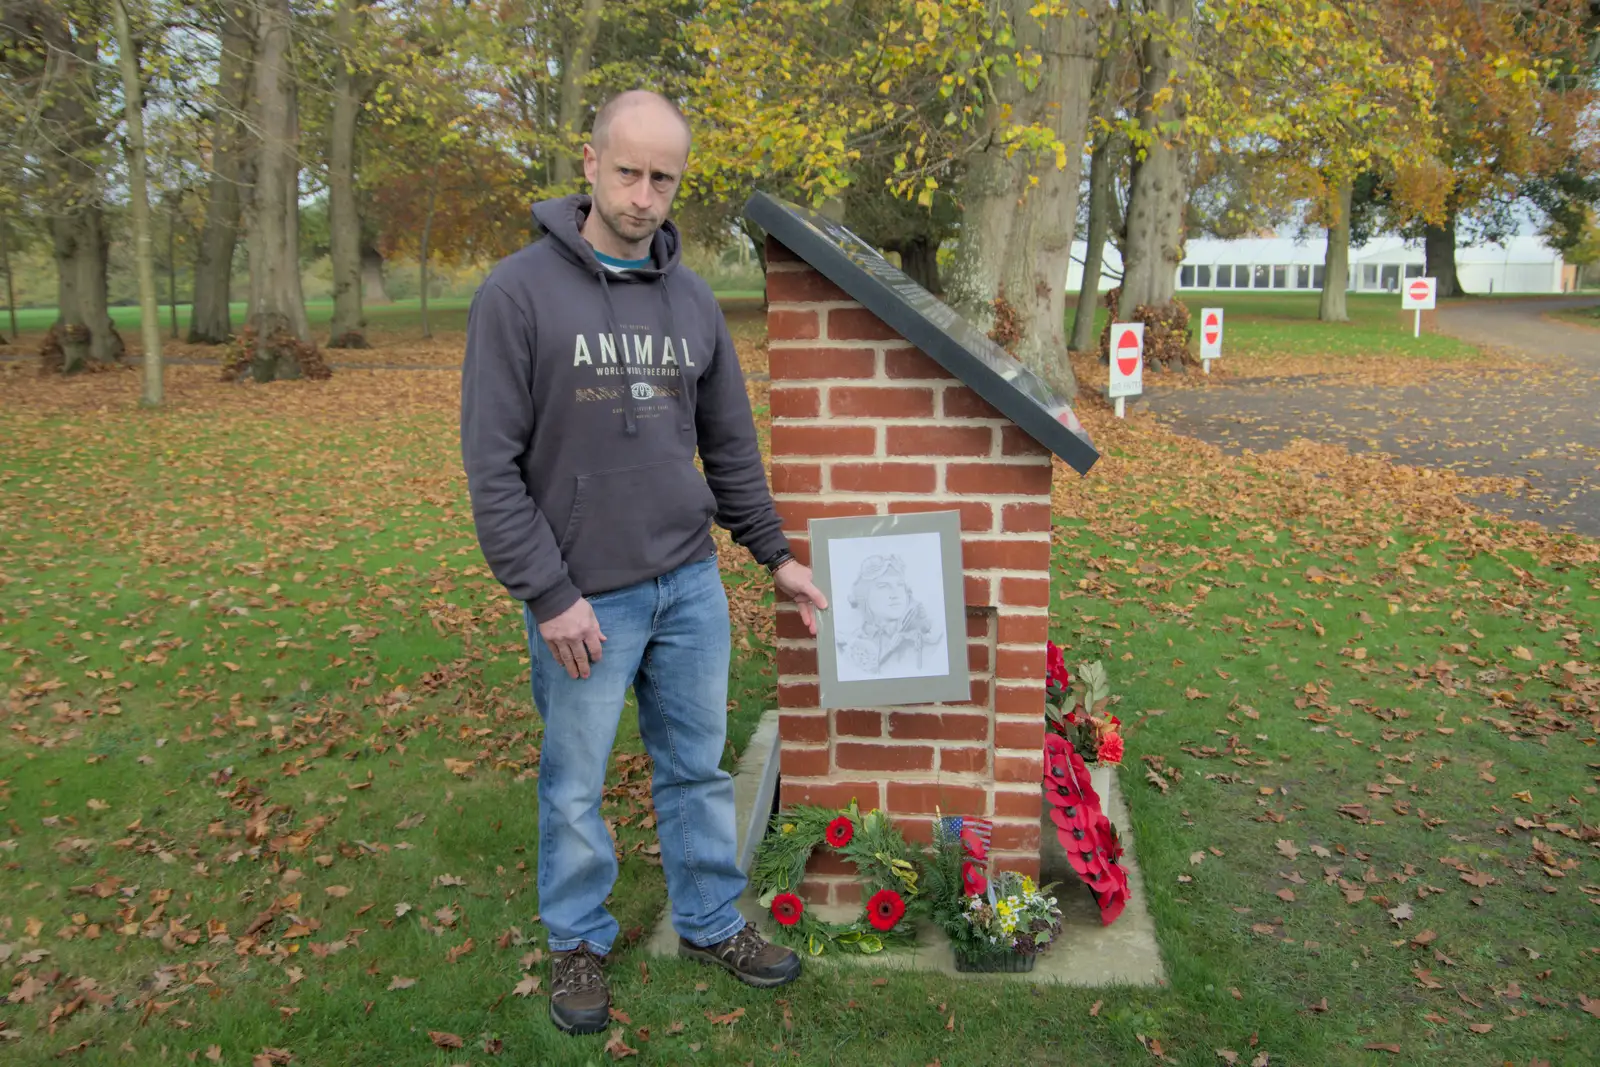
686 399
630 424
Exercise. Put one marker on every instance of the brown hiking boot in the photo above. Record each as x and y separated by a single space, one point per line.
580 1001
749 957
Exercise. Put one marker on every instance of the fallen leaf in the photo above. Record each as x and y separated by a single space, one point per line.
214 1053
401 983
411 822
725 1020
1480 1028
1382 1048
1228 1056
1398 915
1424 938
338 892
460 950
445 1040
1094 1009
528 986
1286 895
617 1047
1286 848
1589 1004
1196 858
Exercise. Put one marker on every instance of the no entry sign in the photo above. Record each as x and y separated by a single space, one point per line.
1418 294
1127 360
1210 333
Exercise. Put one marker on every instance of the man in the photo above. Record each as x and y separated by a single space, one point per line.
596 366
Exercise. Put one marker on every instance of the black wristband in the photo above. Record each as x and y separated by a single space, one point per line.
779 560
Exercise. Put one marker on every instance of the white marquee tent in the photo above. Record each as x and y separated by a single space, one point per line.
1524 264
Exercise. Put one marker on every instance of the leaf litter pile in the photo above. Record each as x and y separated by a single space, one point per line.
268 762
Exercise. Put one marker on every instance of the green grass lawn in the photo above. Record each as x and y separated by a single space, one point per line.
1589 316
1267 324
268 765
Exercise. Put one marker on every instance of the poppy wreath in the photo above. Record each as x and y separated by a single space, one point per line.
1086 835
883 863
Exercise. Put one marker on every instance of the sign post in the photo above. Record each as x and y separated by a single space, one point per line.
1418 295
1210 336
1127 363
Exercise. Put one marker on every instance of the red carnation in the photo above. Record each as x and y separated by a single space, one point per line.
972 879
885 909
840 831
786 908
1111 749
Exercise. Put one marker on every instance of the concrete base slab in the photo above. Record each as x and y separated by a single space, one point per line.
1086 954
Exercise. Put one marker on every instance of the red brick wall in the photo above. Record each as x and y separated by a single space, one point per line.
865 424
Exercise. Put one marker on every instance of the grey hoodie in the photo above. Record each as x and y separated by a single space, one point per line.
584 395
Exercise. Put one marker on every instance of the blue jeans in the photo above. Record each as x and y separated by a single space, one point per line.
669 639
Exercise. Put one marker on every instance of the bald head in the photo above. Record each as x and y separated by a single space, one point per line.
634 162
638 110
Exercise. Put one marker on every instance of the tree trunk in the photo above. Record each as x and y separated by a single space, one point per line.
74 142
919 258
5 264
344 222
144 255
1153 245
172 269
427 233
373 291
277 304
1100 167
574 72
1016 246
1439 246
209 319
1336 261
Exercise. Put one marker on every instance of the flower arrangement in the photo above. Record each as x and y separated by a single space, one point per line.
994 924
883 862
1077 711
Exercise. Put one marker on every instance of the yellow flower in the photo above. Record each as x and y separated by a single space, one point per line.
1028 886
788 827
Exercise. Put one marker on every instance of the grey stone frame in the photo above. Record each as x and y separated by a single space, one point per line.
954 686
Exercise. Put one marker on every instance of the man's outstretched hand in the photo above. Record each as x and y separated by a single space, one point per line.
793 580
574 638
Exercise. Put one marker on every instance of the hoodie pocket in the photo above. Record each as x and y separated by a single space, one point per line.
635 523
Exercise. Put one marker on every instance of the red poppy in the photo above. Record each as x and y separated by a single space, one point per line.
1111 749
885 909
786 908
972 879
1058 679
840 831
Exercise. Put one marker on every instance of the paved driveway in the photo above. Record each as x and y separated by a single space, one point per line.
1538 422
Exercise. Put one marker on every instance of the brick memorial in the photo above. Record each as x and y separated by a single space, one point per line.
884 401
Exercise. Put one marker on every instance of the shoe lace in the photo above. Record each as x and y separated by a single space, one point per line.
747 944
579 972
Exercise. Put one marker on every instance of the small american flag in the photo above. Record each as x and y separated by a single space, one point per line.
955 825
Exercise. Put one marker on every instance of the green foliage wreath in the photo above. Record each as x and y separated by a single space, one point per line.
883 863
